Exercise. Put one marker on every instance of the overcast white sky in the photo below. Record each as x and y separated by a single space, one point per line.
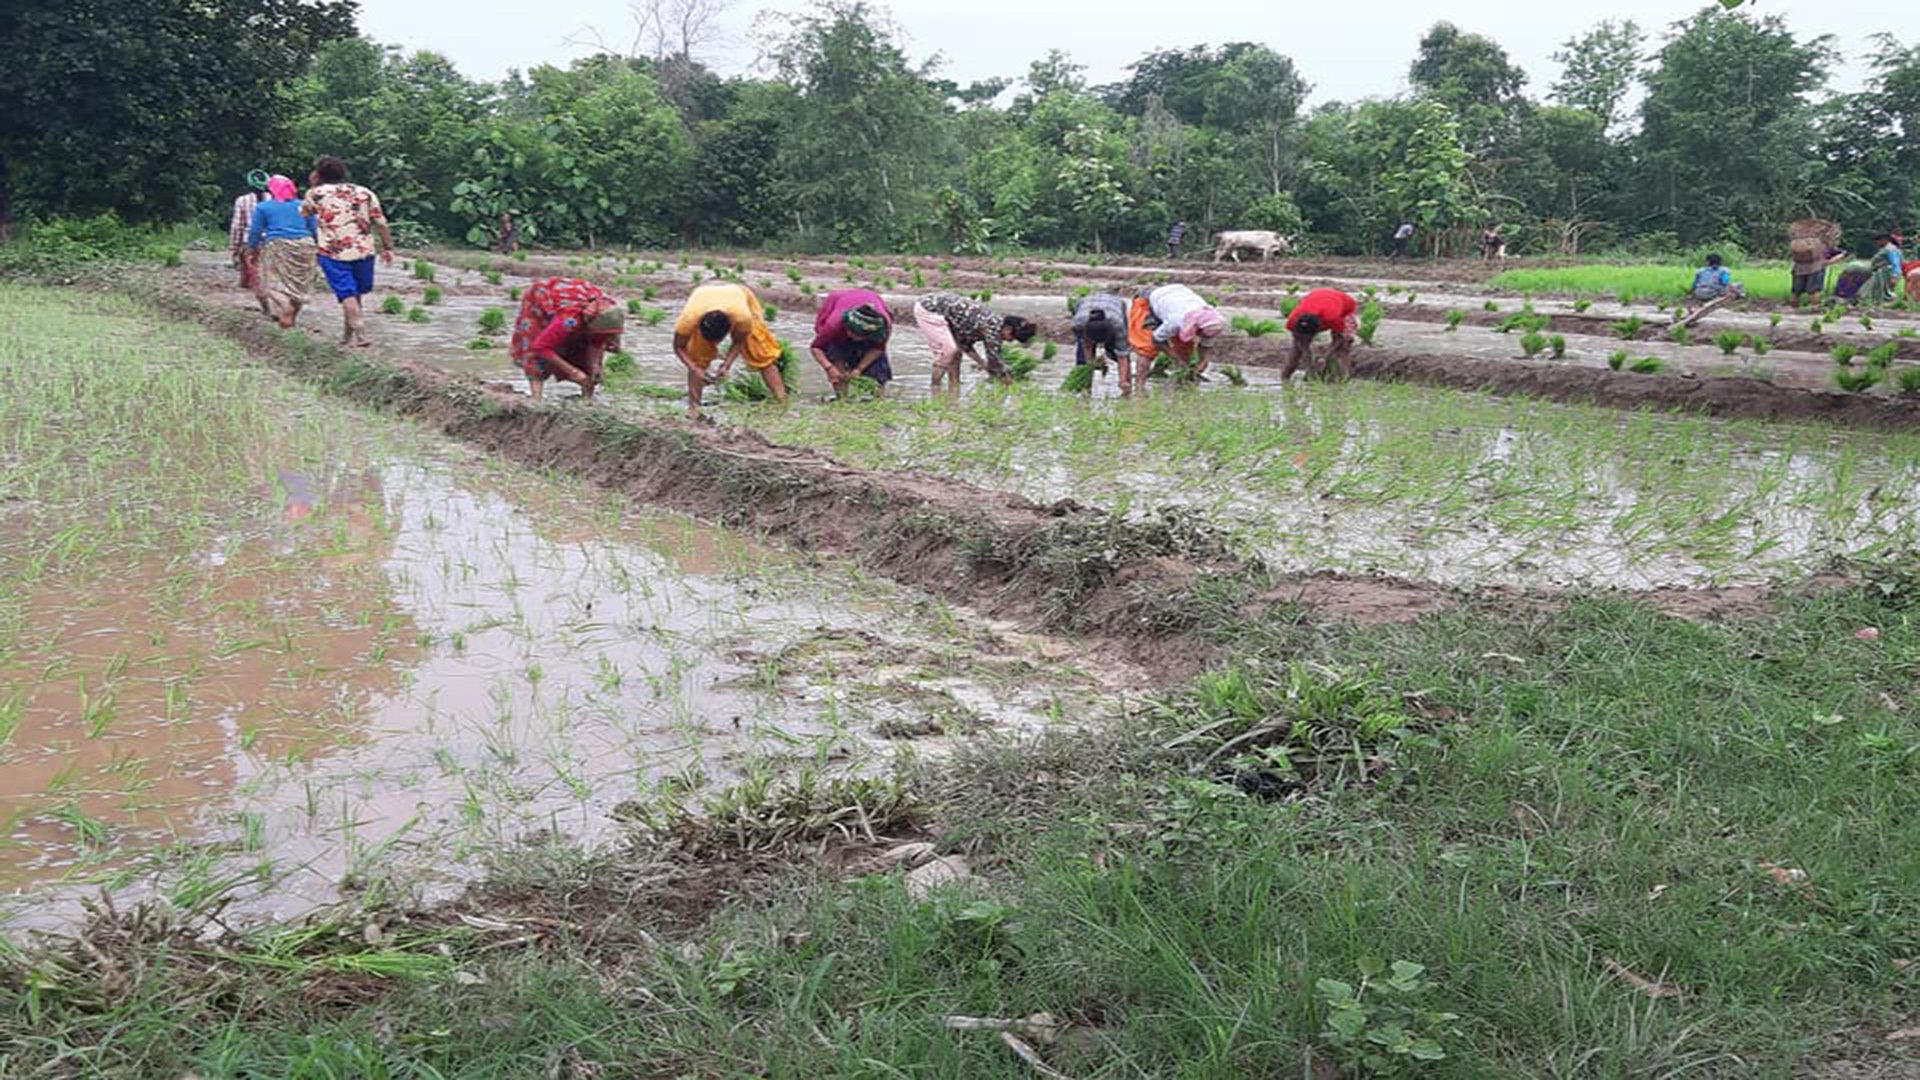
1346 52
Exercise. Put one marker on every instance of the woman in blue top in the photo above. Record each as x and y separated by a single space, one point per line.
282 240
1713 282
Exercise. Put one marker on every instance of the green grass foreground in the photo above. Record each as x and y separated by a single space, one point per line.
1764 280
1524 801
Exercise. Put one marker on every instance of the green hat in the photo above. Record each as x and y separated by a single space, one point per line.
610 321
257 179
864 323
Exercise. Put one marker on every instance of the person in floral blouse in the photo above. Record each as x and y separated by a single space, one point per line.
565 330
955 325
346 217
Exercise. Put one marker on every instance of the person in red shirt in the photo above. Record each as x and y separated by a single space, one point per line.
565 330
1322 310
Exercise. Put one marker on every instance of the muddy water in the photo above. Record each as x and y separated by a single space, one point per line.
426 659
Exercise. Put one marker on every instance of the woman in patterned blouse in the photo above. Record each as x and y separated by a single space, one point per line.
954 324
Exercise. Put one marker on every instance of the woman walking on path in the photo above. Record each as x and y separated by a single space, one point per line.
281 240
346 217
565 330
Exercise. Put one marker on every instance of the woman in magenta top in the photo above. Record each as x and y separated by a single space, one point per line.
850 335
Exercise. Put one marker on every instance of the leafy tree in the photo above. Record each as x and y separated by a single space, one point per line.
1601 67
1429 177
1473 76
1089 176
1726 121
151 109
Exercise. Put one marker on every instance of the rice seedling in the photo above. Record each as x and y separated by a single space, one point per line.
985 296
1629 328
1866 322
493 321
1774 319
432 295
1761 347
393 305
1626 297
1049 350
1883 355
771 312
422 270
1581 305
1729 341
750 387
1255 328
491 277
1454 318
1236 377
1287 305
513 294
1557 343
1648 365
653 316
794 275
1907 379
1490 305
1817 327
1532 343
1680 335
418 314
1079 380
1843 354
1855 380
1020 363
481 344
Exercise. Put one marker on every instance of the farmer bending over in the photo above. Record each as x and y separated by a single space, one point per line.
1322 310
850 335
1712 282
1100 322
565 330
714 313
955 324
1184 324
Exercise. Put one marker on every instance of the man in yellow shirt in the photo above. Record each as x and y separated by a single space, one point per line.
712 314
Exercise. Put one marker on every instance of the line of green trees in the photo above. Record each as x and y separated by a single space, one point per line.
155 110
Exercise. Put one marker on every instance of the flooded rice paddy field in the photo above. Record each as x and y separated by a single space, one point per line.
259 647
1429 484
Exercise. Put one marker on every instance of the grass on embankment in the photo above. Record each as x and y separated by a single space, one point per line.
1516 799
1764 280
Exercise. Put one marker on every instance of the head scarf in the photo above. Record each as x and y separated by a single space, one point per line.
1202 322
610 321
864 323
282 188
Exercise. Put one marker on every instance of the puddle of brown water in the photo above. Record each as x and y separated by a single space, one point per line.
427 671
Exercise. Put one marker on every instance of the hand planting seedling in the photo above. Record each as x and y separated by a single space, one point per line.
393 305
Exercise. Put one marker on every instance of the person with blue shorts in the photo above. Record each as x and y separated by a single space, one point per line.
346 218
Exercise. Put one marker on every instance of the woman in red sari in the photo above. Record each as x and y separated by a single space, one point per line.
565 330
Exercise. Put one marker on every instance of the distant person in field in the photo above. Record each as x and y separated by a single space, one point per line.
1181 324
955 325
238 223
1811 257
713 314
1714 282
1402 239
565 330
1175 237
1493 246
1887 278
280 239
1322 311
850 335
346 219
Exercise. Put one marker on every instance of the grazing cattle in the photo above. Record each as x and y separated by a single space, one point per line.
1260 240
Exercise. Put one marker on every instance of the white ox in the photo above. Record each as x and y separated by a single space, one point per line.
1266 243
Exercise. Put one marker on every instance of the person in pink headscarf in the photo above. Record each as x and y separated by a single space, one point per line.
282 240
1186 324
